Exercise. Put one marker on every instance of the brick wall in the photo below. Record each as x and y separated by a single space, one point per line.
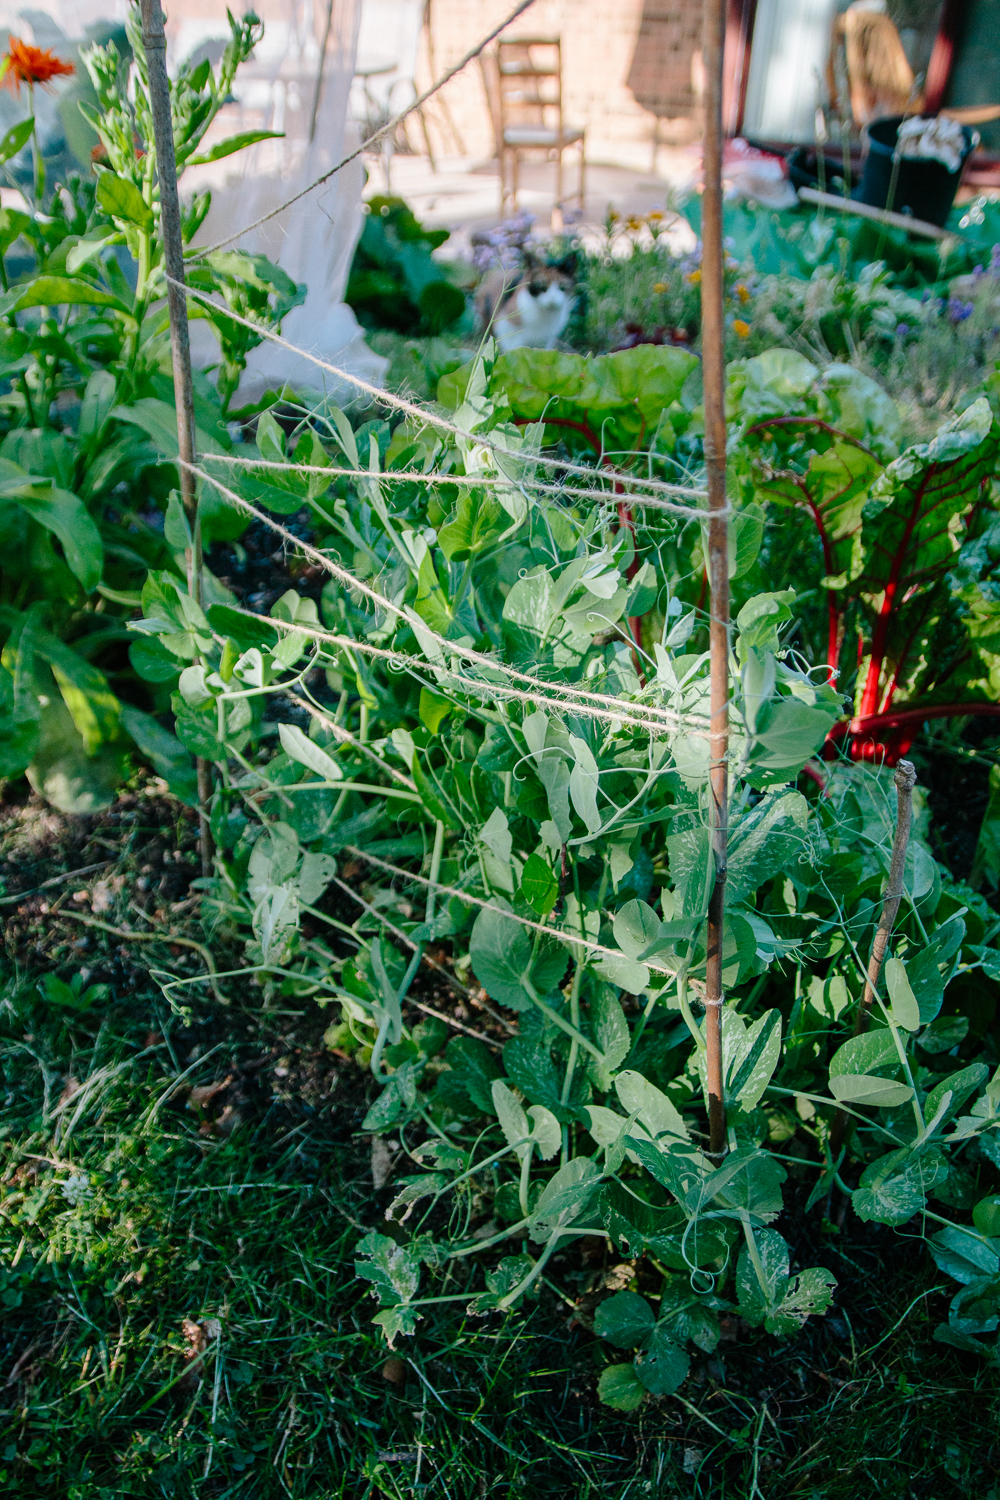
599 44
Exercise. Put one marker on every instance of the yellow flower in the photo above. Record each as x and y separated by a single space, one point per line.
742 328
742 292
659 288
655 216
633 222
694 277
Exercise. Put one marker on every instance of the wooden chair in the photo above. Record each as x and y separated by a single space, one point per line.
528 115
880 79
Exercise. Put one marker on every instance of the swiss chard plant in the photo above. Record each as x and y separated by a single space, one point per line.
89 428
897 546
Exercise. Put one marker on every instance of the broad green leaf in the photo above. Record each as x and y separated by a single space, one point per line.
583 784
545 1131
610 1031
909 538
663 1366
63 773
625 1320
16 138
755 1061
986 1215
905 1010
504 963
394 1321
871 1052
687 1314
749 1180
123 200
539 886
472 1068
58 291
963 1255
478 523
636 926
651 1106
92 705
863 1088
895 1187
620 1388
564 1198
168 755
513 1120
68 519
393 1270
231 144
503 1279
960 1085
761 1281
299 747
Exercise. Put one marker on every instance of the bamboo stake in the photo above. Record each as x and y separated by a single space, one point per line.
154 42
905 779
713 368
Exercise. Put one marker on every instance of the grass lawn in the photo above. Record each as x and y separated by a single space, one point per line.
181 1195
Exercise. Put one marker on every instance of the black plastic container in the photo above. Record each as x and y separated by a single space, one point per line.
803 170
924 188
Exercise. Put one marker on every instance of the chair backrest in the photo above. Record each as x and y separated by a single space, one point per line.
880 77
530 82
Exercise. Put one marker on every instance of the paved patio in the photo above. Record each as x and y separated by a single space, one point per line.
463 195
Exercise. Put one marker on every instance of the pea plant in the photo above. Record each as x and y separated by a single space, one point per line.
470 729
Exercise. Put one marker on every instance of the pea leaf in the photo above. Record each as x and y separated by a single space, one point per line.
299 747
620 1388
664 1364
625 1320
905 1010
864 1088
232 144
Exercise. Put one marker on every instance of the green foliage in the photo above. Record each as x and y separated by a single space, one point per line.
89 433
566 855
395 282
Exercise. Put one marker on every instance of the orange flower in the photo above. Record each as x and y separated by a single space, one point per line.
742 292
31 65
694 277
742 328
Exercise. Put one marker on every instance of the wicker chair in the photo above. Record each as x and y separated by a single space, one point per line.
880 79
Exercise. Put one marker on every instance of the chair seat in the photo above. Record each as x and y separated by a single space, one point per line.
538 135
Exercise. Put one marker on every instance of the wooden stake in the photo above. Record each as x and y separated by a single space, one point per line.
154 42
713 369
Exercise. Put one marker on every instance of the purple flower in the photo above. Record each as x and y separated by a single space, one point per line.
995 261
958 310
902 329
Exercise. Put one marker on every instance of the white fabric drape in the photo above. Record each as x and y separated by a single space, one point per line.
276 90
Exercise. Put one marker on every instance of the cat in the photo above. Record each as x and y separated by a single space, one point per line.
530 309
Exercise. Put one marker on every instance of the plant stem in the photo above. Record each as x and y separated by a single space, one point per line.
905 779
713 366
155 44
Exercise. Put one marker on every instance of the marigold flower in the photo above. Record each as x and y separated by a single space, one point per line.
742 292
659 288
694 277
742 328
26 64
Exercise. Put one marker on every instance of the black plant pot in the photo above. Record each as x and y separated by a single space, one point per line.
924 188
